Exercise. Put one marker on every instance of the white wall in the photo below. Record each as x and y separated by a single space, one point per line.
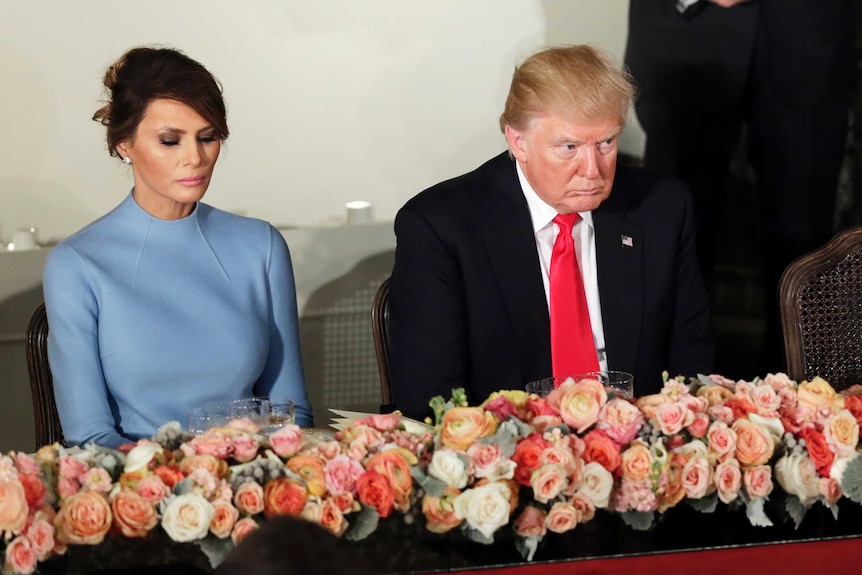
328 100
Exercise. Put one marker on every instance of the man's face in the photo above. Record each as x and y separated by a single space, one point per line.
569 164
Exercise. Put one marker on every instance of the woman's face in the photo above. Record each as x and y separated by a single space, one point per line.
173 153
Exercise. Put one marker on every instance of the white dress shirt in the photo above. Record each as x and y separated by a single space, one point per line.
583 234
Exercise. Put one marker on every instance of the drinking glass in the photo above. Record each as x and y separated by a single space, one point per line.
541 387
282 412
619 382
256 409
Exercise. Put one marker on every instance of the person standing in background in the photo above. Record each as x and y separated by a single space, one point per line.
781 69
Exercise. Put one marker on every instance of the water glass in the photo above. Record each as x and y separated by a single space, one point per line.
541 387
282 412
256 409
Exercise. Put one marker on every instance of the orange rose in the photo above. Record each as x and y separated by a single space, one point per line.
310 468
224 518
527 456
853 404
133 515
602 449
13 506
169 474
84 519
754 444
212 464
34 490
249 498
374 490
674 490
392 466
284 496
462 426
440 511
331 518
818 450
636 462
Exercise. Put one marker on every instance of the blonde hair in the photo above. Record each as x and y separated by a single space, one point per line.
576 82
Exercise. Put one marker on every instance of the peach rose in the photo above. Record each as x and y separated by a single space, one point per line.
547 482
714 394
648 404
345 501
758 481
597 484
286 441
830 490
153 489
721 440
187 517
797 475
311 470
816 393
224 518
462 426
169 474
284 496
728 480
440 511
636 462
213 465
531 522
674 491
242 529
20 556
331 518
673 417
602 449
579 403
84 519
697 477
754 443
249 498
562 517
765 399
133 515
374 490
561 455
621 420
842 433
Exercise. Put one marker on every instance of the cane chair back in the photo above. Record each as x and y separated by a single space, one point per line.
48 429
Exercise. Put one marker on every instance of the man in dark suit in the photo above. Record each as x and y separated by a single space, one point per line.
783 69
469 299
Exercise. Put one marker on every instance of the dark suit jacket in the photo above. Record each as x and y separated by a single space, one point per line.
467 303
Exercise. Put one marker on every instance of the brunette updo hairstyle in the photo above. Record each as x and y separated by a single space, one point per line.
144 74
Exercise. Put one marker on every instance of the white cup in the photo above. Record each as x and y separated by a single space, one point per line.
24 239
359 213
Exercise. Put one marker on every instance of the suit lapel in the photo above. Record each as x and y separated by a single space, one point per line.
511 249
619 255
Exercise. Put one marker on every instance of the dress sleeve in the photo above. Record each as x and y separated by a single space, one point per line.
73 352
282 375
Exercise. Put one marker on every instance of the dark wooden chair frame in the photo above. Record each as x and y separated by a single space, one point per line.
48 429
797 277
380 327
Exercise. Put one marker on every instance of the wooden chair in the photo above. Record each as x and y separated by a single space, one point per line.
48 428
821 312
380 326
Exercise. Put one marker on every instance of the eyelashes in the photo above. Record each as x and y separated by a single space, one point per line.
203 140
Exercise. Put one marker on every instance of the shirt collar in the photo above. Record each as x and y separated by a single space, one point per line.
541 213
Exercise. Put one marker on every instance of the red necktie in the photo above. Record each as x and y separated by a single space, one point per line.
573 350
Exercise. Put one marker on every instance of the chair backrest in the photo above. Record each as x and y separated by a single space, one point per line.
48 428
380 326
821 312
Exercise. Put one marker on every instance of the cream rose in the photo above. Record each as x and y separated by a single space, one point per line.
187 517
448 467
597 484
797 475
141 455
484 508
842 433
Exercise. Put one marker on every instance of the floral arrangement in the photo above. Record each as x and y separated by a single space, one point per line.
520 462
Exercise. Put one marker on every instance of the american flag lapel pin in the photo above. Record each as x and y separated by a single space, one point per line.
627 241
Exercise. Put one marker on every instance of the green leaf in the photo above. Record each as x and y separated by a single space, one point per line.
362 524
215 549
638 520
432 486
756 514
184 486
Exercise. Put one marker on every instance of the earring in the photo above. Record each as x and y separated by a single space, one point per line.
127 160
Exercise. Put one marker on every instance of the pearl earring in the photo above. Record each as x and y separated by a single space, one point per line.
127 160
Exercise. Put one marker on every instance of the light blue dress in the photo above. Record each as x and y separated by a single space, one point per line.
150 318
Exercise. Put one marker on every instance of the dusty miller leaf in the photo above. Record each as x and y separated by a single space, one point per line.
477 536
527 546
756 514
638 520
704 504
851 479
433 487
363 524
215 549
796 509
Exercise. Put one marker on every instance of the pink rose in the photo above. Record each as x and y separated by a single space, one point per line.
721 413
830 490
585 507
696 477
621 420
560 455
488 461
249 498
699 426
20 556
97 479
153 489
13 506
71 467
286 441
779 381
84 518
40 533
502 407
332 518
764 399
381 422
531 522
721 440
562 517
728 480
25 464
795 419
672 417
244 424
224 518
242 529
245 448
758 481
213 442
341 473
67 487
547 482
